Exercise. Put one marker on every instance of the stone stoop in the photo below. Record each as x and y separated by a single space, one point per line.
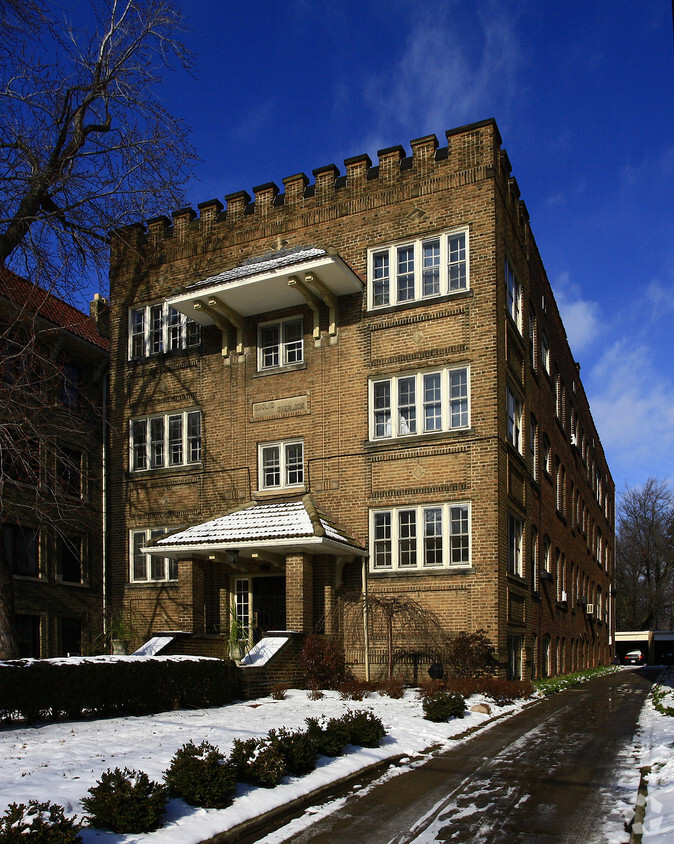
283 668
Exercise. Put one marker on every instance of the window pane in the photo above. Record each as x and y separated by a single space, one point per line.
382 540
294 464
174 329
430 273
157 442
382 409
175 440
194 436
458 398
456 268
71 560
269 342
433 536
405 273
156 329
407 538
407 411
139 559
192 333
380 279
432 402
72 376
139 434
157 569
138 333
271 466
292 336
459 535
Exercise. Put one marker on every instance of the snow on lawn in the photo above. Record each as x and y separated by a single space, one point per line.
657 739
61 761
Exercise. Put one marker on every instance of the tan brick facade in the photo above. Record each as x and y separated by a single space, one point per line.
460 471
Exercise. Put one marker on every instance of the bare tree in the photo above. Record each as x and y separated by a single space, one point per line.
398 624
645 557
86 145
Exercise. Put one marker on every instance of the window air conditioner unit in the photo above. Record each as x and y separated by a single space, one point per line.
574 440
589 609
564 597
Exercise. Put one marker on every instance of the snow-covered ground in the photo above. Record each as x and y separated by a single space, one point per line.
61 761
656 736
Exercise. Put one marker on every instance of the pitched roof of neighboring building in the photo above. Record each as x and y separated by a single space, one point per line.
278 523
263 264
49 307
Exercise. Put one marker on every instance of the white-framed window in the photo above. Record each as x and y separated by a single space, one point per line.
513 295
547 453
280 343
420 537
514 410
281 464
532 339
545 352
546 554
533 447
420 403
419 269
515 531
147 568
167 439
534 559
157 328
515 645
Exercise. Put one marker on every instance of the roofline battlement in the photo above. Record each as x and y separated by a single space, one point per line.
473 152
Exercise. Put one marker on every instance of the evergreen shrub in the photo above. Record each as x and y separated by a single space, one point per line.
42 823
443 705
126 801
201 776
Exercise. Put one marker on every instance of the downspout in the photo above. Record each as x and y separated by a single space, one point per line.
365 624
104 509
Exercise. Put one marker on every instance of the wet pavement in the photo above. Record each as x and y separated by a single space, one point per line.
540 776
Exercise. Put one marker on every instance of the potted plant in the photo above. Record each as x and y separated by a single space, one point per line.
238 637
118 633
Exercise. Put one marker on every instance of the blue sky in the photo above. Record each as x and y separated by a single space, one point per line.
583 96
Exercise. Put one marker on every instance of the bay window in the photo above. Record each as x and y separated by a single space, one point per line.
419 269
420 403
169 439
420 537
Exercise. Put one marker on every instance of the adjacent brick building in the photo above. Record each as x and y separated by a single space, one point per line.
367 371
53 372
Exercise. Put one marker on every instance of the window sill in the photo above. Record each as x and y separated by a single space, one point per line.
279 491
417 439
439 570
164 471
165 357
74 583
155 584
421 303
278 370
516 579
32 578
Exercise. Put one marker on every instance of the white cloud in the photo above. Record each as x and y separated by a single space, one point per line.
581 317
444 78
661 298
633 407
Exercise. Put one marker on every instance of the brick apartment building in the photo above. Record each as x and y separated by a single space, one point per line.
363 374
53 371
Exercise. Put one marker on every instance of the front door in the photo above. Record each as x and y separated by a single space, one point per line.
269 605
261 604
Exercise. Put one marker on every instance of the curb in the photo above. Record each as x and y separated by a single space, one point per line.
636 826
295 807
249 830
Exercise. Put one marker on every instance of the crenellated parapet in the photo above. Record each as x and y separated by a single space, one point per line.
473 153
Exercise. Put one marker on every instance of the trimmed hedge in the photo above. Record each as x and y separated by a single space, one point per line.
106 686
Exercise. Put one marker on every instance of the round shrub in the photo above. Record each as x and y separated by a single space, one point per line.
330 738
443 705
298 750
44 823
201 776
257 762
126 801
365 728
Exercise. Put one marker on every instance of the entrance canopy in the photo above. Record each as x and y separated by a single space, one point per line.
282 527
285 279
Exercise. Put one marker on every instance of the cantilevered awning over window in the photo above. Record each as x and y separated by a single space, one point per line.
288 278
280 528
